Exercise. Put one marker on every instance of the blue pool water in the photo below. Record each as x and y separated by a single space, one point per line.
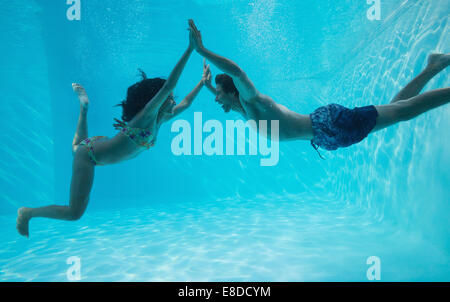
161 217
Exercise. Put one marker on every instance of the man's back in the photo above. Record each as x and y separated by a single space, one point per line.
292 125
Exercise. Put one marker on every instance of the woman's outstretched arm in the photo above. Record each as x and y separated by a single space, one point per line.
187 101
152 107
207 78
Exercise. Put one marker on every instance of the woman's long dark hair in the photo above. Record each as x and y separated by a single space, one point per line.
138 95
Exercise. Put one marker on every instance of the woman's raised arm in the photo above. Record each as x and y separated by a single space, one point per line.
155 104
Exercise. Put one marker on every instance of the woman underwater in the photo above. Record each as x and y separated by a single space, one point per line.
148 105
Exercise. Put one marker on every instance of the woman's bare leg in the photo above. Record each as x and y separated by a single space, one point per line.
82 177
80 188
82 129
436 63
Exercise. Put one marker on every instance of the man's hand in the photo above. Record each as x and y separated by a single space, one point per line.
194 36
206 78
191 40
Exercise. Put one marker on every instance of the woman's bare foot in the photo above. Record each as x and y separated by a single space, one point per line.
438 61
23 217
82 96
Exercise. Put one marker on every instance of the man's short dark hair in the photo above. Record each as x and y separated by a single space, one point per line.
227 84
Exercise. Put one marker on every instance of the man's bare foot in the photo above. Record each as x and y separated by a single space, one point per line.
23 217
82 96
438 61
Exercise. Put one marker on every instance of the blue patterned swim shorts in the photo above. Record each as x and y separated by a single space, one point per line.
335 126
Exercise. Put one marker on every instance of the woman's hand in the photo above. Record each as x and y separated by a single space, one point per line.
194 36
206 78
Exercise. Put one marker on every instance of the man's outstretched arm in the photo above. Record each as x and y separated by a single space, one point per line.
243 84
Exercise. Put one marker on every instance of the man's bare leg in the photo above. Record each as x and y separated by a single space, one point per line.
436 63
404 110
424 102
408 103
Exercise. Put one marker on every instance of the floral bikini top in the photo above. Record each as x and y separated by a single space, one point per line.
138 135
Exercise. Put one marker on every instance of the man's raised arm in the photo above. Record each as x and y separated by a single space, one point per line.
243 84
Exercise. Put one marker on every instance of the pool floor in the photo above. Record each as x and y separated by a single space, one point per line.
288 238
